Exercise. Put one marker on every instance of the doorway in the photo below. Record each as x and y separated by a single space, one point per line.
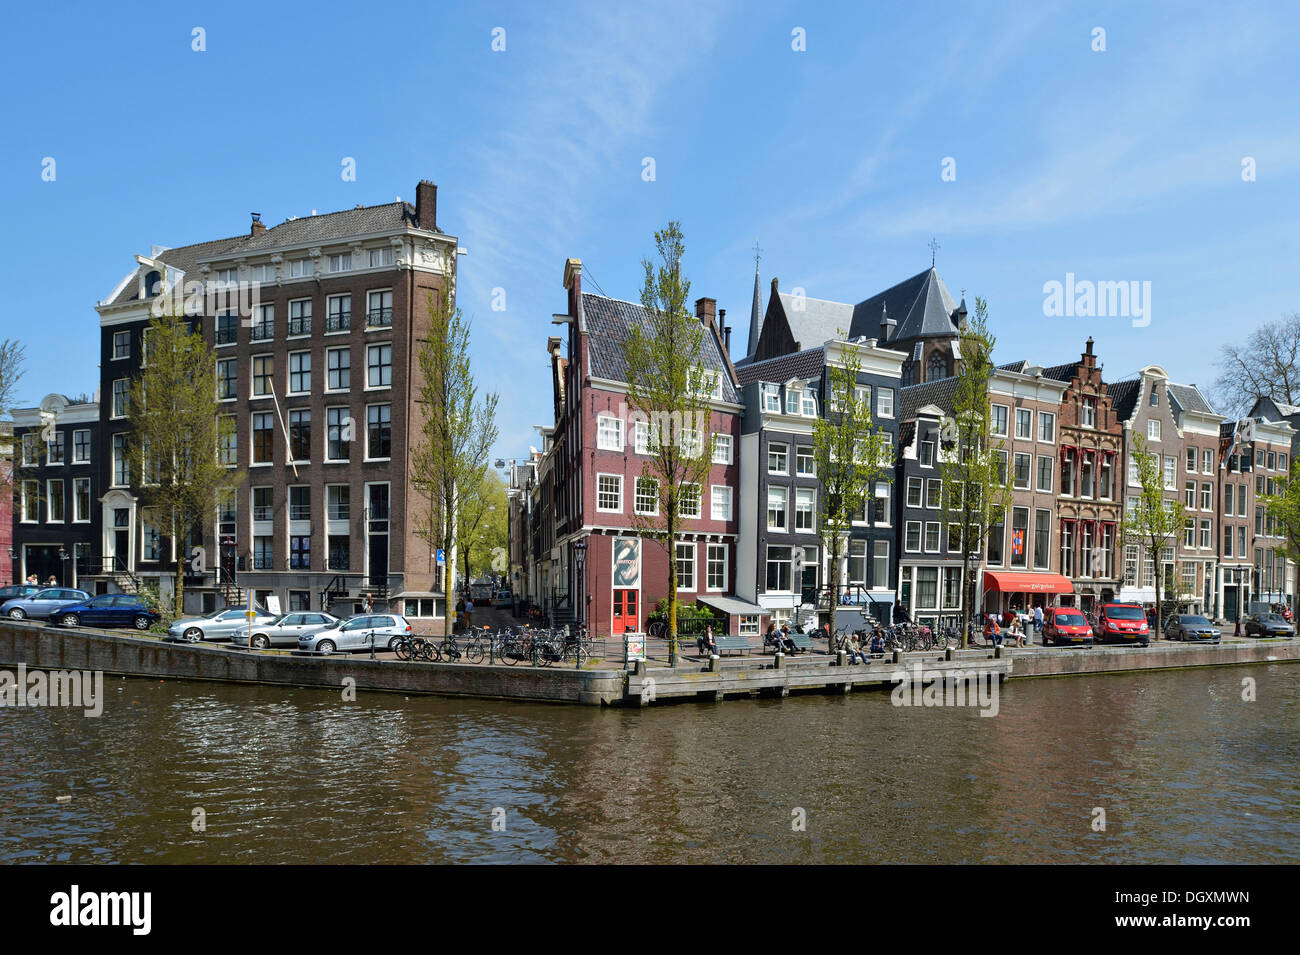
626 617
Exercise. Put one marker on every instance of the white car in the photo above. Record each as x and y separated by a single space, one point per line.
285 630
386 630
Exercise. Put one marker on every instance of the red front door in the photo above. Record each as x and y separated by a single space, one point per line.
625 611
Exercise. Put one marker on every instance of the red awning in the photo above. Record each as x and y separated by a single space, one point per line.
1014 582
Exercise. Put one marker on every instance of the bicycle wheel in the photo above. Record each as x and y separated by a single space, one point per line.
475 653
512 652
941 640
403 650
431 653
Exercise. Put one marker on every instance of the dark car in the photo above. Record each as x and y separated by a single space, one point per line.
1189 626
17 590
1268 625
1122 623
107 610
1065 625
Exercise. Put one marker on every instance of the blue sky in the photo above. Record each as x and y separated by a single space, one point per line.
1117 165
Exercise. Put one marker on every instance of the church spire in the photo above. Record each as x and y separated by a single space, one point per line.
756 310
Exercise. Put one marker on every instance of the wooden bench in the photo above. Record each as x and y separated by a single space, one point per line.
802 641
738 644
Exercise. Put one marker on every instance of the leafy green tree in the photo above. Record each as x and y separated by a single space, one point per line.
12 356
457 428
1158 517
668 391
481 529
1284 508
850 455
180 445
977 490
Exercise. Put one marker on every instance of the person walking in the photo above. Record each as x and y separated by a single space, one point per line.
1038 621
469 611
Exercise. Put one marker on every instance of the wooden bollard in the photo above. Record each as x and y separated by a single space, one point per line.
778 661
715 664
948 653
841 658
640 668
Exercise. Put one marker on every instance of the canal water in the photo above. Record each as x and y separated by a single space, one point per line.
1184 770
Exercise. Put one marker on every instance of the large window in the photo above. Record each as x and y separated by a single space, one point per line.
647 497
1022 470
299 372
263 437
338 313
55 492
804 500
805 464
121 462
777 501
379 431
720 502
121 390
880 564
338 369
338 506
884 402
379 365
263 369
999 426
716 571
1046 427
609 433
778 568
379 308
1088 413
263 329
685 566
722 446
609 493
227 379
300 434
81 500
778 459
1024 424
80 447
1046 464
338 434
914 492
1019 536
300 552
1042 539
300 503
227 441
912 539
300 317
690 500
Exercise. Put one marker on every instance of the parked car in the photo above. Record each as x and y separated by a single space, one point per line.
17 590
221 624
107 610
43 604
1066 625
1122 623
285 629
1268 625
503 598
1189 626
354 634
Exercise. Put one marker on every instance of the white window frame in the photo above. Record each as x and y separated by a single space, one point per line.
607 440
602 477
722 447
720 494
641 482
682 584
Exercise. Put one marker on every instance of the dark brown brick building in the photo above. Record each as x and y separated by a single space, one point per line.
316 325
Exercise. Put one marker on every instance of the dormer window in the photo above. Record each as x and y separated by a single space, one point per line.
771 397
152 284
792 392
808 403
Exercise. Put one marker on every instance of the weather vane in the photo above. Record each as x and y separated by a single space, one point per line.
934 247
758 253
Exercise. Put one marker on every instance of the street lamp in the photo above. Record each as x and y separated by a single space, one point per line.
580 549
63 567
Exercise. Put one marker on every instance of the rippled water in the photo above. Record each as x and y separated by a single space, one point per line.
1185 771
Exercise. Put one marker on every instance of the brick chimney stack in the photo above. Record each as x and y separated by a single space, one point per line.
258 226
426 205
706 310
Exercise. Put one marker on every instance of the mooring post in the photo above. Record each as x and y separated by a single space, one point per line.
715 664
778 661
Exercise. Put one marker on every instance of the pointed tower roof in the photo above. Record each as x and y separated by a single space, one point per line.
755 314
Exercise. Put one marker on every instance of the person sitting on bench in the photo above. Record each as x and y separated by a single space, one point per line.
855 648
707 645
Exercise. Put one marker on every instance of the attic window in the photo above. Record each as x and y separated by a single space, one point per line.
151 283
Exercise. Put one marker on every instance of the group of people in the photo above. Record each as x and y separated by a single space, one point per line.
34 581
1010 627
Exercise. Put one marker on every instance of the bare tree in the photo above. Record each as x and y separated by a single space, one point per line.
12 356
1266 366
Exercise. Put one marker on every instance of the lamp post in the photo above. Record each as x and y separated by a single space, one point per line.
63 567
13 559
580 550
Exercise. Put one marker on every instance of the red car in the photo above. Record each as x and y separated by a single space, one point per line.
1122 623
1065 625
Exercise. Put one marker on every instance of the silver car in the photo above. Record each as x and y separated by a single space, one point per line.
285 630
42 604
221 624
355 634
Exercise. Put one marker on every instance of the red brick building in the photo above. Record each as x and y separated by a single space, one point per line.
597 567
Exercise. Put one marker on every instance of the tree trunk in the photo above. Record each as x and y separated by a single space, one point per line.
966 595
672 591
179 604
833 572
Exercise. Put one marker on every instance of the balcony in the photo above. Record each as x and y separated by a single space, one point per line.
300 326
338 323
262 332
263 513
377 317
300 512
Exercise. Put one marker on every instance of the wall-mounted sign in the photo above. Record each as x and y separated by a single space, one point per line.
627 562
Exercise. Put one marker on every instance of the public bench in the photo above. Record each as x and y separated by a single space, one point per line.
735 643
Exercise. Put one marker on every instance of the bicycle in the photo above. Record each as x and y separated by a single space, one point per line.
577 647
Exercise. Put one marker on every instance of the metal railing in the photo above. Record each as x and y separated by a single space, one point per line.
339 322
379 316
300 326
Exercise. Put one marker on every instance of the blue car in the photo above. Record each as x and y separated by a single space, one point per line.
43 604
18 590
107 610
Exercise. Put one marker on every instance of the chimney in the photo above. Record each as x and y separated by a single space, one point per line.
887 324
722 327
258 226
773 284
706 310
426 206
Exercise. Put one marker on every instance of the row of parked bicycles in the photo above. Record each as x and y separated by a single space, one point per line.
537 646
904 636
